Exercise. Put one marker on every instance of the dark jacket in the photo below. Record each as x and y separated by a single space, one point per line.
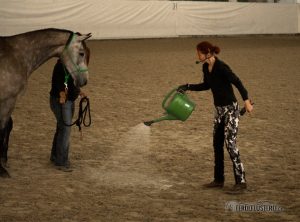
58 79
220 81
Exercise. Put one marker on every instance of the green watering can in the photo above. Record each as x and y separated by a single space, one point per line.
177 105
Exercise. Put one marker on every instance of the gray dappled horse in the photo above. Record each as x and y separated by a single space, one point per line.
20 55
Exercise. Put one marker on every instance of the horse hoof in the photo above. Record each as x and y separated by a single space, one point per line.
4 173
4 163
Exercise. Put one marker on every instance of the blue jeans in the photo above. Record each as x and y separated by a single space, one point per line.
61 141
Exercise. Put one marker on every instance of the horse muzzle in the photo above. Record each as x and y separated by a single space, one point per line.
81 80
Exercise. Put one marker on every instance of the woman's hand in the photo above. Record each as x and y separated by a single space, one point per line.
248 105
82 94
62 97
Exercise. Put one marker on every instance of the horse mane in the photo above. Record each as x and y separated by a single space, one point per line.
54 30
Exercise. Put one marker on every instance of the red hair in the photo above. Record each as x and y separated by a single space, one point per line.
206 47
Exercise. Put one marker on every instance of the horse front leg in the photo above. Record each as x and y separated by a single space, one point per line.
4 140
4 148
3 171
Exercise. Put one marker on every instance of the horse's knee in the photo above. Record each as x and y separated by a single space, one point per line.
2 135
7 128
9 125
4 140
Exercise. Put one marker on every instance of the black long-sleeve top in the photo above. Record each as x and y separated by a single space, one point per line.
220 81
58 79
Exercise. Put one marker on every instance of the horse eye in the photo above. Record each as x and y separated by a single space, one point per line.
81 54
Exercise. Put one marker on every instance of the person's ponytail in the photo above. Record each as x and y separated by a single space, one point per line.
216 49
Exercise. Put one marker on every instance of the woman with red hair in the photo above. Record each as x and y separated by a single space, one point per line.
219 78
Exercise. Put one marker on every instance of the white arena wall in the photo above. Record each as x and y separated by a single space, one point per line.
298 18
117 19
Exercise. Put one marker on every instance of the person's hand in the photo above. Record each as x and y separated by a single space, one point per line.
184 87
248 105
62 97
82 94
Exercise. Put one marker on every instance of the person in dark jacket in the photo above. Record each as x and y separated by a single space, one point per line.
62 103
219 78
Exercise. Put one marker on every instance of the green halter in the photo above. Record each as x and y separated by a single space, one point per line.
67 76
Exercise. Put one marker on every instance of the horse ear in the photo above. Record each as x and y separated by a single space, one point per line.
84 37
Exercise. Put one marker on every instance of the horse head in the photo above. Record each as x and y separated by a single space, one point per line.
75 57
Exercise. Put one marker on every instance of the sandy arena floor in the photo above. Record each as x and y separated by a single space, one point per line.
125 171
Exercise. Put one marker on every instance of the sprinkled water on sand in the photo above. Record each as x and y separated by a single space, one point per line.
138 138
129 164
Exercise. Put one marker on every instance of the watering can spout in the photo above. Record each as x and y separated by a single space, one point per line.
166 117
148 123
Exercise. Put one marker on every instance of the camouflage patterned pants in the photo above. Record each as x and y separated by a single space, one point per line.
225 130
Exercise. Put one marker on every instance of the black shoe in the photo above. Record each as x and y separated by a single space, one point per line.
238 188
214 184
64 168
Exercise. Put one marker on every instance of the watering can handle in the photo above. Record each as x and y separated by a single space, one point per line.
168 96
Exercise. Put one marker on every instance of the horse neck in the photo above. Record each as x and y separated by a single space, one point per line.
35 48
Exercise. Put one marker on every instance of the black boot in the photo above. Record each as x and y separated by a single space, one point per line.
214 184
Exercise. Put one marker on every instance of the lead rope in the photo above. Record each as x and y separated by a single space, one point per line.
82 112
84 115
